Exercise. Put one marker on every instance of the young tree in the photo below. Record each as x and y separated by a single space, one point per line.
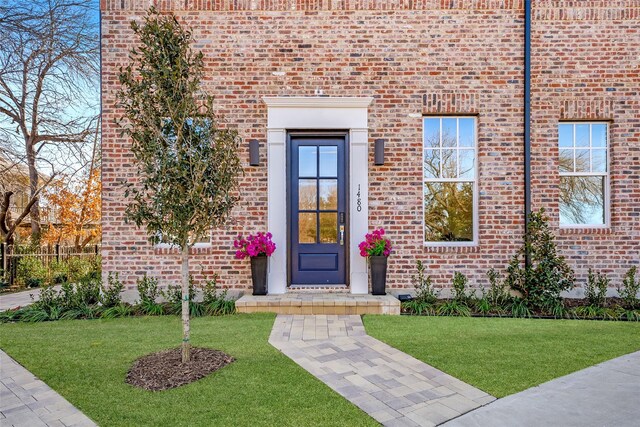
187 166
49 76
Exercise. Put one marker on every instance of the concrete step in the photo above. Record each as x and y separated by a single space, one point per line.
319 303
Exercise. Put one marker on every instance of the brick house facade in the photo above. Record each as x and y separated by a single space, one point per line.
398 62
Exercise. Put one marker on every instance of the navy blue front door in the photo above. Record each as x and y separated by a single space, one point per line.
317 209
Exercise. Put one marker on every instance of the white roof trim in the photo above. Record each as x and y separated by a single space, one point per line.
316 102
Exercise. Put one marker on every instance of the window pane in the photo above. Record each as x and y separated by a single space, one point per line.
431 132
582 135
566 160
599 135
449 132
467 164
449 164
598 160
329 161
448 211
307 227
307 161
329 227
582 200
565 135
582 160
328 194
466 132
307 194
432 163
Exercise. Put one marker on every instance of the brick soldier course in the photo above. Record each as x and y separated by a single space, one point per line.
415 58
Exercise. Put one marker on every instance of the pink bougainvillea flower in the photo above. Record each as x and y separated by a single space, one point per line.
375 244
254 245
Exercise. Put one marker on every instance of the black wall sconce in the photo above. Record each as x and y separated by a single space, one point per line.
254 152
379 152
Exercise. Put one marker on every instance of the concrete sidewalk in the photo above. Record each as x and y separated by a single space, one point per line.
607 394
20 299
23 298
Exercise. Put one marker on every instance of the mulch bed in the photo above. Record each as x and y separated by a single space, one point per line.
165 370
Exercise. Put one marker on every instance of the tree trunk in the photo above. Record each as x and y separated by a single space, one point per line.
186 333
34 212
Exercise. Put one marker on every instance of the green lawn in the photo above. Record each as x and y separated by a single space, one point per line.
86 361
505 356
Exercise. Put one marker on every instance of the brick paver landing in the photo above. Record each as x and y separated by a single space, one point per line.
391 386
27 401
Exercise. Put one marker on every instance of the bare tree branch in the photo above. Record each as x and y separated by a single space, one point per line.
49 74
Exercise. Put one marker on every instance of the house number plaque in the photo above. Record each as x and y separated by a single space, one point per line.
358 200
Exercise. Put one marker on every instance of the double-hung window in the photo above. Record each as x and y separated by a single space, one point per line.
450 180
584 174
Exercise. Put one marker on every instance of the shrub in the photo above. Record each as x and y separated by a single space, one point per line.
628 292
148 292
173 294
58 271
498 295
217 303
33 314
555 308
519 308
596 289
49 299
120 310
483 305
87 292
148 289
589 312
210 290
96 266
110 296
548 275
4 283
453 308
31 272
79 267
425 292
460 282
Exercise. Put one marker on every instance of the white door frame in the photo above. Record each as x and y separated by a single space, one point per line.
317 113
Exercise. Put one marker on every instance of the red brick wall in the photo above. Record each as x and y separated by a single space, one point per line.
586 66
414 57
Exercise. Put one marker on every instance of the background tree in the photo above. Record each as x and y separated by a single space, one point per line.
75 209
187 166
49 96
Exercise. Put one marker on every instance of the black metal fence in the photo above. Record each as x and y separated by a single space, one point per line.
47 258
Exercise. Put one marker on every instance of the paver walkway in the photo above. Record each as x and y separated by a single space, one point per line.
391 386
607 394
26 401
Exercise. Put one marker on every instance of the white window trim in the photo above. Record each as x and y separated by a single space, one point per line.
476 215
606 175
171 246
197 245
